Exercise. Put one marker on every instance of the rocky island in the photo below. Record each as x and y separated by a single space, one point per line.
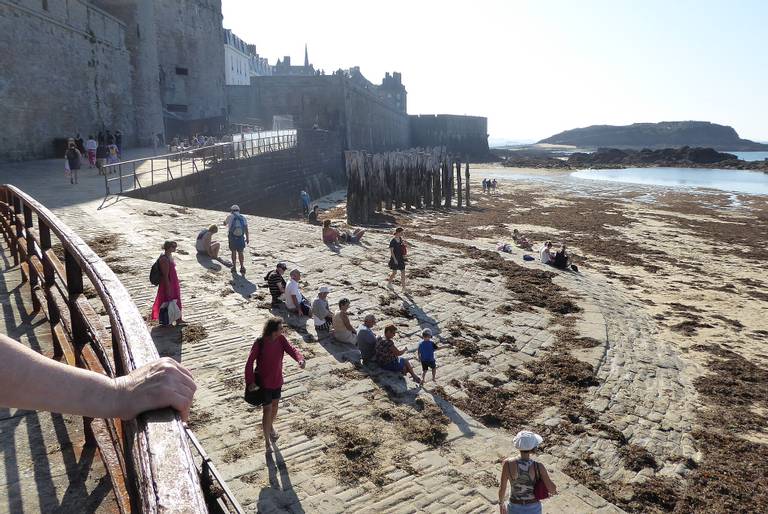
665 134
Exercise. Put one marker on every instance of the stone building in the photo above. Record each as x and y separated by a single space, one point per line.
285 68
138 66
241 61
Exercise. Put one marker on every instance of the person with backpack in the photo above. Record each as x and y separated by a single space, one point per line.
267 352
237 231
528 478
73 157
163 275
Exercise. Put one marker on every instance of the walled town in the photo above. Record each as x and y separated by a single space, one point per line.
179 227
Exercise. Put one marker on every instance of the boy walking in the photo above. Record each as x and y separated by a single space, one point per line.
427 354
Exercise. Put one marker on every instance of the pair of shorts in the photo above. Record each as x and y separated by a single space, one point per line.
395 365
268 395
236 243
399 266
425 365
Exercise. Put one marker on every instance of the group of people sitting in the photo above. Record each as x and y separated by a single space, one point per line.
560 259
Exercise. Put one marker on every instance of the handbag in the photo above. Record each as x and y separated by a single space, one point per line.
540 491
255 397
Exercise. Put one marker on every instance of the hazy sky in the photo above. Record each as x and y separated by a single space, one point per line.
537 67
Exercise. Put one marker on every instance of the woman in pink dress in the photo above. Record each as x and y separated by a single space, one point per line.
169 288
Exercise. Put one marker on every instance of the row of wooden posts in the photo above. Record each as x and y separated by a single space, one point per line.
410 179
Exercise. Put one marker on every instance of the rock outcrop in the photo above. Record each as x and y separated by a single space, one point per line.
666 134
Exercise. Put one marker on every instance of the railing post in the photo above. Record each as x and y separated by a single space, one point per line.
120 174
152 171
33 278
11 201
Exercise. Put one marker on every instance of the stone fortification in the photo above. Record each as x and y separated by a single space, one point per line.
268 184
65 67
333 102
465 136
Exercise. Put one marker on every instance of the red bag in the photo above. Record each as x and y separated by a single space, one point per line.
540 491
404 248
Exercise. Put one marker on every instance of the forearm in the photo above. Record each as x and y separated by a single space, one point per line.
32 381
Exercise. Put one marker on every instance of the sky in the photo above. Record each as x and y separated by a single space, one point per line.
538 67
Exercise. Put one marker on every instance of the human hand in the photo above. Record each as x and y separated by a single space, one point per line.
159 384
302 364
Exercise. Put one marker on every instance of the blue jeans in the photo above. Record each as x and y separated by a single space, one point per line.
531 508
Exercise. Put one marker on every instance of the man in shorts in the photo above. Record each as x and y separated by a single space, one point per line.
237 232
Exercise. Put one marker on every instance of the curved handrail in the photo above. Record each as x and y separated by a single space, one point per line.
160 472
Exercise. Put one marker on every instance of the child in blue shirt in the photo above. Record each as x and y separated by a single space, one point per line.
427 354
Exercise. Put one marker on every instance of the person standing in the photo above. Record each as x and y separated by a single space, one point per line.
237 232
170 288
119 143
79 143
426 351
73 161
304 203
522 474
90 147
397 252
267 352
101 157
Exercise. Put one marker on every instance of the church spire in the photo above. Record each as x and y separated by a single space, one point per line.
306 56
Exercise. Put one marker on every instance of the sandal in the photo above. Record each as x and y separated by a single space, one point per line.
242 270
274 435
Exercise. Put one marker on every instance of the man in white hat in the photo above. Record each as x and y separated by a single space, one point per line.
321 312
237 232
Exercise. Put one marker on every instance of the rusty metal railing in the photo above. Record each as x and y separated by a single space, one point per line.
148 460
124 176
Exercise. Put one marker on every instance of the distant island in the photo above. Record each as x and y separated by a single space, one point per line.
611 158
667 134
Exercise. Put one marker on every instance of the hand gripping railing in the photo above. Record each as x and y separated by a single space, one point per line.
148 459
124 176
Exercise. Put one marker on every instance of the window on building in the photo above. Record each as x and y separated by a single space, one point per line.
176 107
182 71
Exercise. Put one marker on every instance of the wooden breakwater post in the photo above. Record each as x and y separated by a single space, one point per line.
458 183
466 181
408 179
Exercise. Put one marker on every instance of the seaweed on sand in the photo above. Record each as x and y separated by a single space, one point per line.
193 333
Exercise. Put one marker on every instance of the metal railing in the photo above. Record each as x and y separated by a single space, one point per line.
148 459
124 176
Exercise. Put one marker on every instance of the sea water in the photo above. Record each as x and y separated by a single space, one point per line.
739 181
751 156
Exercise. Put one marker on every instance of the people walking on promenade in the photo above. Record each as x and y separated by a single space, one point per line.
90 147
397 252
389 357
237 233
169 289
523 476
72 157
343 331
267 352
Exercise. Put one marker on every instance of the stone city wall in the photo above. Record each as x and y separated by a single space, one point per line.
331 102
64 69
463 136
265 185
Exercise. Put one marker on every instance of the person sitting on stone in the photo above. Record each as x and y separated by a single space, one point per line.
333 236
546 253
366 339
520 240
276 283
562 259
389 357
313 219
342 327
294 300
206 245
322 314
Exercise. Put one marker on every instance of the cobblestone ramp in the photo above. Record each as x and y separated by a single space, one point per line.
460 476
45 467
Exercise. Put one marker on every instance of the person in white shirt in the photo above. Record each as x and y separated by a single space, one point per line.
90 148
294 300
546 254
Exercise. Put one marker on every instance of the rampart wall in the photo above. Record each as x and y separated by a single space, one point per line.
465 136
62 70
267 184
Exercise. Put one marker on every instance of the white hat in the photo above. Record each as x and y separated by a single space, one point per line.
235 208
325 289
527 441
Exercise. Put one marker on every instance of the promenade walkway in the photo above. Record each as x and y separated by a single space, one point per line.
459 475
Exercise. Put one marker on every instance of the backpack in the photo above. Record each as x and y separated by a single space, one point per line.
238 225
155 274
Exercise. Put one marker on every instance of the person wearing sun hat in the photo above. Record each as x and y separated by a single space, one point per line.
322 313
522 474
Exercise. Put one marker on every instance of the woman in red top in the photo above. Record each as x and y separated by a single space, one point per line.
267 352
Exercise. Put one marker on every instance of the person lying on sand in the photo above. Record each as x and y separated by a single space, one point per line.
334 236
